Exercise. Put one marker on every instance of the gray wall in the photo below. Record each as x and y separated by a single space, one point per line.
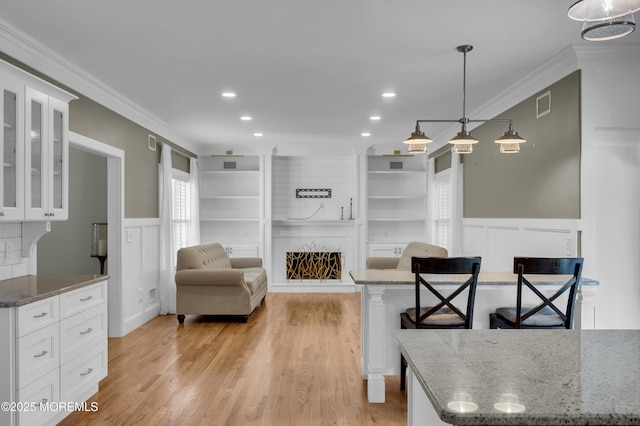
66 249
91 119
543 180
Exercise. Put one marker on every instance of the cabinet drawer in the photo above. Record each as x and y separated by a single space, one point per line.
81 331
83 372
36 396
38 354
82 299
37 315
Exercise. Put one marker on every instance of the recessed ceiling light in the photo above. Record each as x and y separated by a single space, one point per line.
258 134
374 118
245 118
365 134
388 95
228 94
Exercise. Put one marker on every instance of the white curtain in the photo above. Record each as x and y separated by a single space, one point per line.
457 195
167 268
431 200
194 228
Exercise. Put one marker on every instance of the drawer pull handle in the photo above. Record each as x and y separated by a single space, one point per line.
41 354
87 372
86 299
44 314
87 331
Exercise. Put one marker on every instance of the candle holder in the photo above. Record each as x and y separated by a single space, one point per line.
99 243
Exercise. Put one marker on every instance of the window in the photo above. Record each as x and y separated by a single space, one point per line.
442 209
180 212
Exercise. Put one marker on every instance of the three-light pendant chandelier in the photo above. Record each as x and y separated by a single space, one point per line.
463 141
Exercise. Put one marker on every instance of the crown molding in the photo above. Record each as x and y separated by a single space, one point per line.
29 51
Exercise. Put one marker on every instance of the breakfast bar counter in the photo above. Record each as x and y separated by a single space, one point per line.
387 293
522 377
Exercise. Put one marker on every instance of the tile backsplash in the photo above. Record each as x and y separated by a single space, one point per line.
12 264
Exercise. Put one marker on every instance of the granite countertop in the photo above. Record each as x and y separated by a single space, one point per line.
399 277
552 376
31 288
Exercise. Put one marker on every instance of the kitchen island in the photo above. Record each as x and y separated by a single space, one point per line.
387 293
522 377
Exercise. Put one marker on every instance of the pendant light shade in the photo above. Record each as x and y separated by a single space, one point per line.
599 10
418 137
463 137
509 148
511 137
463 148
417 148
608 29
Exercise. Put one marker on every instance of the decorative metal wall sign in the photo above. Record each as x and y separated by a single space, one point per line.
314 265
313 193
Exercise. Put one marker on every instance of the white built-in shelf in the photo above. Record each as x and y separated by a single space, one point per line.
396 172
230 200
403 219
230 171
230 197
230 219
293 222
396 199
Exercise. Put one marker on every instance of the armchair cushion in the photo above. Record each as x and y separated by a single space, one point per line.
419 250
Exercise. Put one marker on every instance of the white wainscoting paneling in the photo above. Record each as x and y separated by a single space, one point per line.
499 240
141 267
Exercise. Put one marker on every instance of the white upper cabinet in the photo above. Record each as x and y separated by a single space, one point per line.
12 151
47 153
34 147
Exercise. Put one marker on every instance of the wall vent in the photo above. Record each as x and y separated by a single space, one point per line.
229 165
543 104
151 143
395 165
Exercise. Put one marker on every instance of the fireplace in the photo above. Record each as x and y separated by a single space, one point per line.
314 265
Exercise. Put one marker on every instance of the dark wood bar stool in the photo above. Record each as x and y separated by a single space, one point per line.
547 314
444 314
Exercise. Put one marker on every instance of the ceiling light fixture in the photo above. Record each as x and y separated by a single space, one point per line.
245 118
229 95
374 118
388 95
365 134
463 141
599 10
258 134
604 20
608 29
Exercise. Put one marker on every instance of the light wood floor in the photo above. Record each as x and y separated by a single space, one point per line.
296 362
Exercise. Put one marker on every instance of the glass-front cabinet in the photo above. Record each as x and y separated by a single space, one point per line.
12 151
34 148
46 151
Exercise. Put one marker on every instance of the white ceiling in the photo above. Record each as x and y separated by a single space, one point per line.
306 71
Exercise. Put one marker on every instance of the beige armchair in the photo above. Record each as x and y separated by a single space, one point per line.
403 262
208 282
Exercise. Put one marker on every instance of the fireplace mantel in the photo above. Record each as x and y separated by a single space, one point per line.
294 222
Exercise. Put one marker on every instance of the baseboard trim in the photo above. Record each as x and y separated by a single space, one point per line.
302 287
